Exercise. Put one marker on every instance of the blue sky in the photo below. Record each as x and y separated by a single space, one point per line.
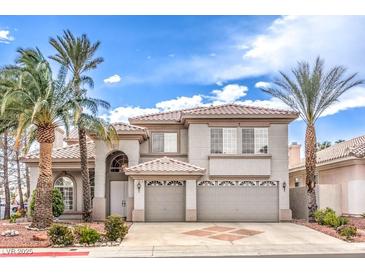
156 63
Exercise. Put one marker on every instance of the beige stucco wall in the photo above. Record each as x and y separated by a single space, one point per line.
348 178
199 150
131 148
245 166
75 175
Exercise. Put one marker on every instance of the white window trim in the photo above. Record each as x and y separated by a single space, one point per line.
74 187
255 145
164 145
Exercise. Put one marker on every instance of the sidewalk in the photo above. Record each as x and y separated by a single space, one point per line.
202 251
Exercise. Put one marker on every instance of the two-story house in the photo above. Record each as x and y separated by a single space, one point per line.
218 163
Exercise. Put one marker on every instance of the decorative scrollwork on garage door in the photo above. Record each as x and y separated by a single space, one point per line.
165 183
246 183
175 183
268 183
206 183
155 183
227 183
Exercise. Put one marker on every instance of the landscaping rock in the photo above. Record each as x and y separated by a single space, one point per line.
39 237
10 233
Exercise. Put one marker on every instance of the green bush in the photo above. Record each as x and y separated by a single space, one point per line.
319 214
329 217
86 235
348 231
14 216
60 235
115 228
57 203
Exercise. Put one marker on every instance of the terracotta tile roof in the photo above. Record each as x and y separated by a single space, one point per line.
164 165
65 153
127 127
224 110
347 149
73 135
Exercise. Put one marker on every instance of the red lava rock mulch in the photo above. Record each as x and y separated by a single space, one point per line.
25 239
332 232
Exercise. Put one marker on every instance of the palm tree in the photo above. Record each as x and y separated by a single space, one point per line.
77 55
5 148
323 145
310 92
33 100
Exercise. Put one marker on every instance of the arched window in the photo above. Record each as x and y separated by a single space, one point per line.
119 163
66 186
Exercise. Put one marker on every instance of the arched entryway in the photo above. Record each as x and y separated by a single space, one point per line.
116 183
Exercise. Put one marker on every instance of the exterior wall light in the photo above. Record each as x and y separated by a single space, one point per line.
139 186
284 185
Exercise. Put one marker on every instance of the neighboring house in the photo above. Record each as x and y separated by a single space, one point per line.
340 174
218 163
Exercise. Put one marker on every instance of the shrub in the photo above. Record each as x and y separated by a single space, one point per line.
14 216
348 231
57 203
319 214
331 219
60 235
86 235
115 228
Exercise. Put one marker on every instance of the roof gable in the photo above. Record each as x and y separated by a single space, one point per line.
164 165
221 111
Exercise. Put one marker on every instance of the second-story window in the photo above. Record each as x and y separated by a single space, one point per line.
255 140
164 142
223 140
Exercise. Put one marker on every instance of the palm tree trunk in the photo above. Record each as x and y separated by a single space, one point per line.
19 180
86 194
27 180
27 176
42 216
6 175
310 168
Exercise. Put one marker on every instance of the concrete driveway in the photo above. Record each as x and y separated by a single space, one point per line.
223 234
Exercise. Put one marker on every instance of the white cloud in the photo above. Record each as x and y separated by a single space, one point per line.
180 103
171 55
219 83
113 79
121 114
229 93
354 98
262 85
5 37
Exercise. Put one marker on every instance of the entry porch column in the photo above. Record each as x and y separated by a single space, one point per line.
190 210
138 211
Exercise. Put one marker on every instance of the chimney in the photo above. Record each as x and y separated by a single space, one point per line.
294 154
58 142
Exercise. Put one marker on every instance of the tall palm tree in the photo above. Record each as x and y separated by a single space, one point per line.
77 54
5 149
33 100
310 91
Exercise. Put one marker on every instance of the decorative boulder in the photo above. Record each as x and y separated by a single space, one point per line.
39 237
10 233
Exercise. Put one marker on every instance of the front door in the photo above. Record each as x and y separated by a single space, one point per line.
118 198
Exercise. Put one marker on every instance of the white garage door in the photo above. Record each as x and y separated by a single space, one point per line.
239 201
165 201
